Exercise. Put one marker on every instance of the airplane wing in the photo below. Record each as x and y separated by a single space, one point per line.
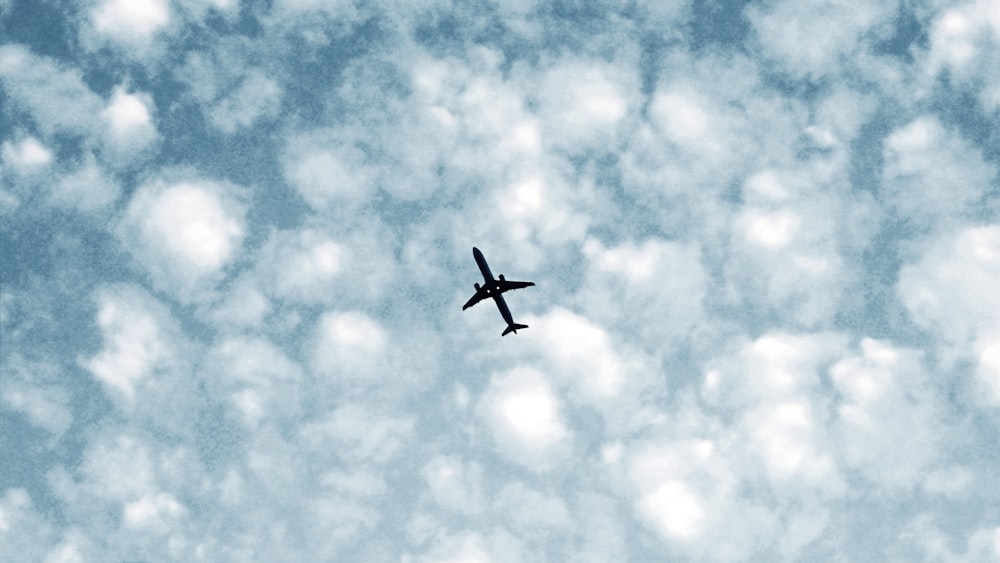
509 285
479 296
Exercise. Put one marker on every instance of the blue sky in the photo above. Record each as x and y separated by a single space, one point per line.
236 238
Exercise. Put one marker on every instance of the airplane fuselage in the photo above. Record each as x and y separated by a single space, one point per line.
504 311
483 266
494 288
491 286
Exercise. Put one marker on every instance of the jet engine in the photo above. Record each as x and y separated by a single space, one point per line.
477 286
501 278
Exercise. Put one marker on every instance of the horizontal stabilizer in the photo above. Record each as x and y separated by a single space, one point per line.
513 328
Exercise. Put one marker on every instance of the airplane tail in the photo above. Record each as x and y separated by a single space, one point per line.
512 327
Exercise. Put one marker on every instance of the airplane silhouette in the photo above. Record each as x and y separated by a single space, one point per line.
495 288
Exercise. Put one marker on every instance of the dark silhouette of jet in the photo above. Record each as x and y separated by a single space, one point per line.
495 288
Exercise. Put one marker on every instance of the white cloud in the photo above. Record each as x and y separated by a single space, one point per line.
596 369
525 417
785 434
674 509
356 483
128 484
772 390
233 93
127 112
116 469
951 482
988 360
131 22
69 551
243 306
328 177
636 265
952 38
309 382
455 484
950 288
305 264
472 547
129 122
932 176
814 39
88 188
531 414
349 347
463 122
950 291
29 156
583 105
193 224
653 289
985 544
198 10
135 343
770 230
342 510
532 511
601 526
888 427
332 524
686 492
33 389
145 361
690 108
709 123
255 379
331 7
664 12
680 118
256 97
963 40
152 512
776 366
539 208
56 98
794 245
184 233
349 264
357 434
473 100
24 532
8 201
25 167
209 74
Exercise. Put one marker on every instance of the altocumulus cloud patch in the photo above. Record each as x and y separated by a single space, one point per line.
235 242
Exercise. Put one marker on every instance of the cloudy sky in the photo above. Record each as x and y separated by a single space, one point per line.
236 238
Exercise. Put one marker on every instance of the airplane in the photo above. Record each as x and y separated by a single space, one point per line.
495 288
